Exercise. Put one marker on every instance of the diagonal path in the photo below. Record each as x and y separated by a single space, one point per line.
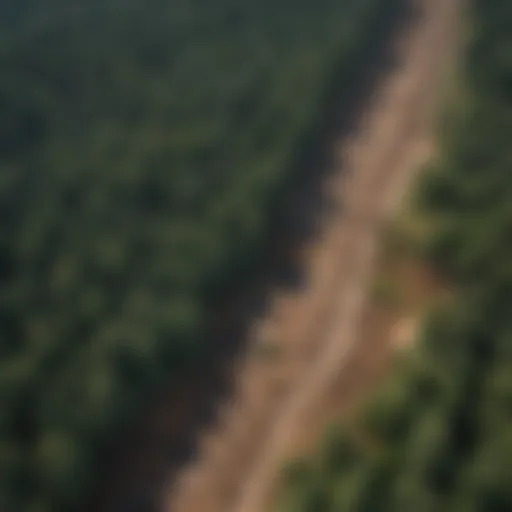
315 329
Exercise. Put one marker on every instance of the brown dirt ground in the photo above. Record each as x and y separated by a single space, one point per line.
318 350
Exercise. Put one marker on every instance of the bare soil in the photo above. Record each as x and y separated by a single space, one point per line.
318 349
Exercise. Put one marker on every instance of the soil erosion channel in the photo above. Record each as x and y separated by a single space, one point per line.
302 342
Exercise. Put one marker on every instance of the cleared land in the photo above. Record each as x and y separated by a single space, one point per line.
309 339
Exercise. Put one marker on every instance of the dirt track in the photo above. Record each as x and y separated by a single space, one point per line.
304 342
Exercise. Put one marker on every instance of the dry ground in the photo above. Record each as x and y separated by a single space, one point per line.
318 350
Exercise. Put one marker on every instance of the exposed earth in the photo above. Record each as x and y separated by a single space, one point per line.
315 351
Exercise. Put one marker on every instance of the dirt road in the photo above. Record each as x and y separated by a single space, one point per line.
303 342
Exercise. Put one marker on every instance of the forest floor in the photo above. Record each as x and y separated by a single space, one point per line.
320 349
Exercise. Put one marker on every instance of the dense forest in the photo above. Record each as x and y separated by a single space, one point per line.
437 437
143 148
